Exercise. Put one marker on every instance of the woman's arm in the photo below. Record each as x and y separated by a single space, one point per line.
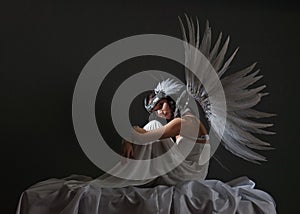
203 130
189 126
171 129
127 149
203 134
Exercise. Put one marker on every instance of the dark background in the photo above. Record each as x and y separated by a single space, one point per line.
45 45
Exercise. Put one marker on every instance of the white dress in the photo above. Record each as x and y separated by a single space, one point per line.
193 167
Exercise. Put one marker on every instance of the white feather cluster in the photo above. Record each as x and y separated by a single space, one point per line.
169 87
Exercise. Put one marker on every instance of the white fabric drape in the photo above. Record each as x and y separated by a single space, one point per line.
181 190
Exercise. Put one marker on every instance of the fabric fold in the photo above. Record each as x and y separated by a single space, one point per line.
65 196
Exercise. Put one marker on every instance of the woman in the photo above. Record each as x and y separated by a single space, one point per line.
165 109
179 189
183 132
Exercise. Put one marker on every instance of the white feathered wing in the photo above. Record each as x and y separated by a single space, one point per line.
238 135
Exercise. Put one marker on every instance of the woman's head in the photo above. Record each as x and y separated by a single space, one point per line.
161 95
163 106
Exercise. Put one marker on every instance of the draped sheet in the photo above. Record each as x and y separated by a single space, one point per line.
78 195
181 190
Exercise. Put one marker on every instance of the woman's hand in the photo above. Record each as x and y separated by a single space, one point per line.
127 149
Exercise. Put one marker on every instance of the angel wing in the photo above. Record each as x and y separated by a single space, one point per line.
238 136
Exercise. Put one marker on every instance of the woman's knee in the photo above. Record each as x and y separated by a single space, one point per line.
153 124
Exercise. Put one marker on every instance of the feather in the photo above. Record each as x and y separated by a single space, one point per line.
227 63
217 63
214 51
251 113
205 43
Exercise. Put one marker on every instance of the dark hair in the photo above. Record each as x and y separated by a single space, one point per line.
150 96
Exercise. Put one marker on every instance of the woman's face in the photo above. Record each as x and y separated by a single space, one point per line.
163 109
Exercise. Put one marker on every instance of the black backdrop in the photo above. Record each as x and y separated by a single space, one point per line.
44 46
